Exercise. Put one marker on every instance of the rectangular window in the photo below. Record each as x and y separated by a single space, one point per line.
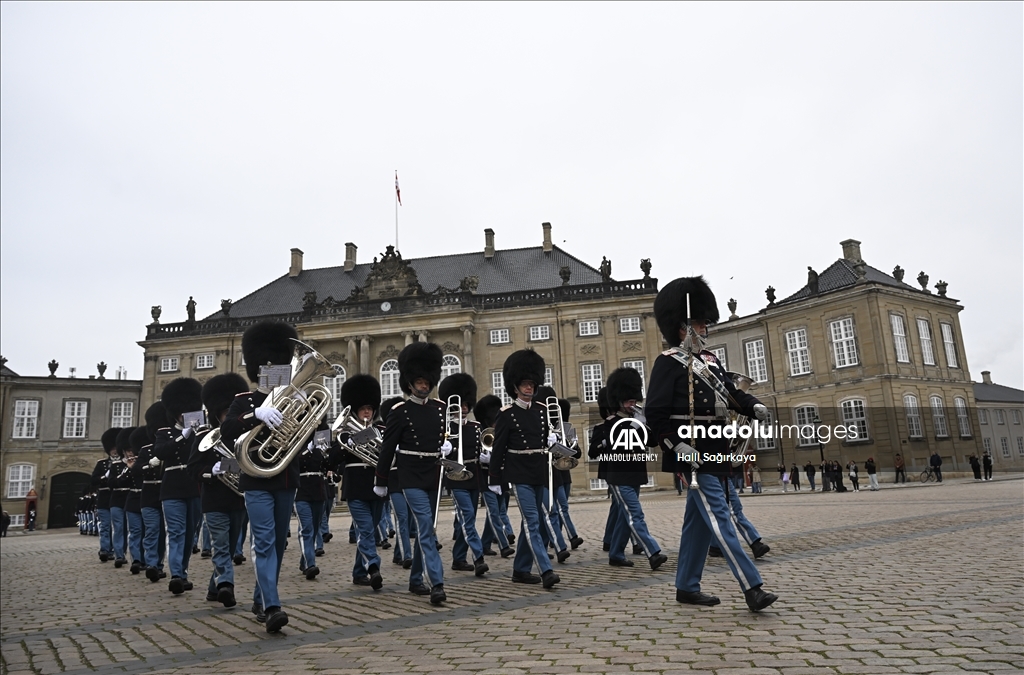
589 328
924 334
19 480
805 420
939 417
854 415
122 414
983 416
598 484
74 418
799 355
913 416
500 336
638 366
962 420
766 443
987 443
204 361
18 520
757 367
1020 446
844 345
591 382
950 344
169 364
1000 416
498 387
540 333
333 385
899 338
719 353
549 376
1004 446
631 324
26 418
1016 417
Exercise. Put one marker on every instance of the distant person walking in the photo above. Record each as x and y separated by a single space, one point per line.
936 463
809 470
901 470
872 471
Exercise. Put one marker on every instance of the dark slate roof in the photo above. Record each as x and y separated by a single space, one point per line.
7 372
997 393
841 274
518 269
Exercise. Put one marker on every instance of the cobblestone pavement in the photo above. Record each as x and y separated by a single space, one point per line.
914 579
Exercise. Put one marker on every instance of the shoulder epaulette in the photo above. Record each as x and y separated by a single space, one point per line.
398 405
670 351
244 393
505 407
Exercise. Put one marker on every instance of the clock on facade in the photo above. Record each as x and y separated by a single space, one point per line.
385 306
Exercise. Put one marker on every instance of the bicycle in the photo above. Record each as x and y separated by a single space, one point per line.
928 475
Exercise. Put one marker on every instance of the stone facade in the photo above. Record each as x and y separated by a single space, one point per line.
1001 415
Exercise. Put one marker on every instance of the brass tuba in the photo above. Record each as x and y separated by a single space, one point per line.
365 438
487 439
211 441
739 445
303 404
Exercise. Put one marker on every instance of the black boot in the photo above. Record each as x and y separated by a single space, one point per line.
758 598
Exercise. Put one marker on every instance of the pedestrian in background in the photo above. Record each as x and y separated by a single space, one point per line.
901 470
794 477
809 470
755 474
872 470
975 466
852 467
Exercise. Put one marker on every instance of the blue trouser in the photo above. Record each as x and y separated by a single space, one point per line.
494 528
223 529
136 535
614 515
154 543
117 531
466 537
270 514
366 515
181 516
551 532
207 544
631 523
530 549
744 527
386 524
562 510
240 545
402 516
310 514
425 559
103 515
325 522
504 501
707 519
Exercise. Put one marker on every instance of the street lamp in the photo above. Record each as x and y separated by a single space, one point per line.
816 422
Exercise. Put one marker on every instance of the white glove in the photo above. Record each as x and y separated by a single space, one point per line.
272 417
552 439
381 492
186 432
350 443
761 412
217 470
485 457
446 448
496 489
106 475
154 462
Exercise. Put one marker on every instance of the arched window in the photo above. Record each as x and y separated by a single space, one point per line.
913 413
450 365
333 385
389 379
939 417
963 421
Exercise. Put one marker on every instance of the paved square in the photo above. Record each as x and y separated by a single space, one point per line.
914 579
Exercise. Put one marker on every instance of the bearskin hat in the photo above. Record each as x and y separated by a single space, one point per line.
459 384
220 391
181 396
267 342
670 306
139 439
124 440
386 407
525 364
109 439
360 390
543 392
156 418
419 359
566 408
604 406
624 384
486 410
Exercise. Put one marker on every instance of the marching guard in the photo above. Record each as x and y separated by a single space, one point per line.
496 525
405 524
690 389
563 479
120 482
101 485
133 506
154 544
551 533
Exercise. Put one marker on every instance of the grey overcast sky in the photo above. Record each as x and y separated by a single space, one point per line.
155 151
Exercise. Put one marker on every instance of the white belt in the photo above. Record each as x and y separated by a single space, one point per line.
359 464
417 453
472 461
152 482
311 473
135 490
172 468
528 451
697 418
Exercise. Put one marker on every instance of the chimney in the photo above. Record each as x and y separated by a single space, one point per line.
350 256
851 250
488 243
986 376
296 268
547 237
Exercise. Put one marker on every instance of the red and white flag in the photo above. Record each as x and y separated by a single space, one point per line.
398 193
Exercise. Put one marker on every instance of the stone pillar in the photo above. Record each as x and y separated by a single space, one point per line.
407 334
364 354
424 336
353 356
467 349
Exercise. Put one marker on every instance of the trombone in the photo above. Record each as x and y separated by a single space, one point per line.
452 470
559 456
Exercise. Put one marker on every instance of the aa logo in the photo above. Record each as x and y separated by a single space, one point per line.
626 435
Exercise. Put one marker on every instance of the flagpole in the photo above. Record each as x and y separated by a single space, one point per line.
396 209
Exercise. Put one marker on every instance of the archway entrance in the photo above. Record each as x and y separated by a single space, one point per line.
65 489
